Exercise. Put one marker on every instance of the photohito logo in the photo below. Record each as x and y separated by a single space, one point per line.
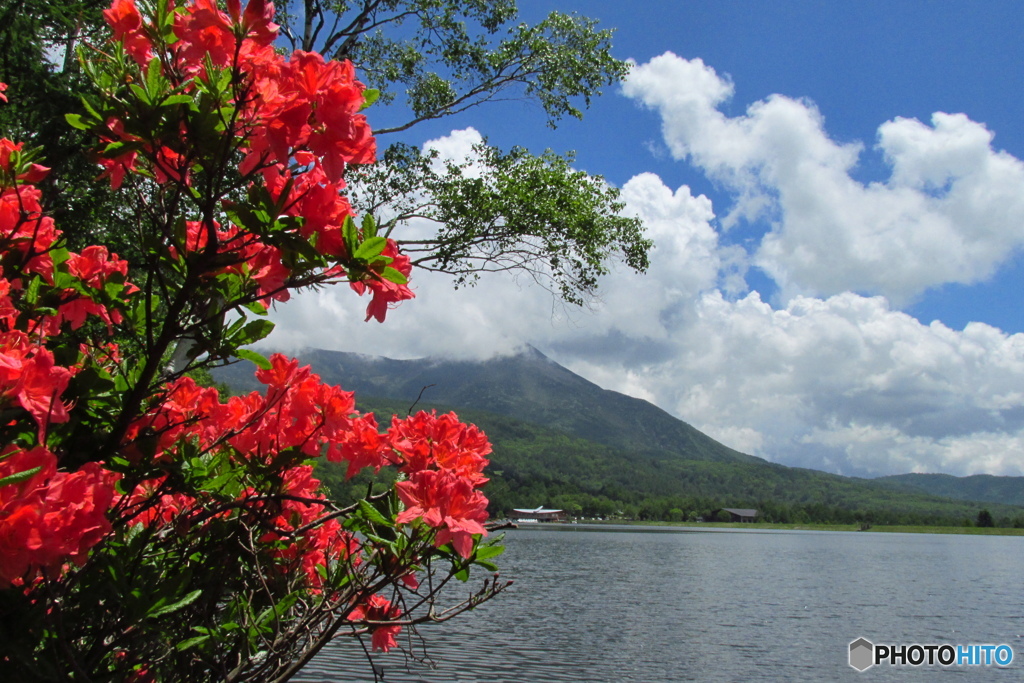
864 654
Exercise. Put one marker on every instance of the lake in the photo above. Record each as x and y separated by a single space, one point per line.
678 604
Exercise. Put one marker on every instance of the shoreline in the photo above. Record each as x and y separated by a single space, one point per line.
878 528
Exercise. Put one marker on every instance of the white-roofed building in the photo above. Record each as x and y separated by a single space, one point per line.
540 514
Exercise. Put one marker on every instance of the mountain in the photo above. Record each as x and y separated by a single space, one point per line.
979 487
562 440
527 386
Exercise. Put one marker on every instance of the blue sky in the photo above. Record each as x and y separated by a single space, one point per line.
837 279
860 63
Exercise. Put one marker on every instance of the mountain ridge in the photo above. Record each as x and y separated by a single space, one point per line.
637 449
528 386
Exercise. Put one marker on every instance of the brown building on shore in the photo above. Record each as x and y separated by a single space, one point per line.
737 514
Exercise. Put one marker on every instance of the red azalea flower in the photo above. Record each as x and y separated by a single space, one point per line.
427 440
27 230
446 502
256 21
377 608
39 388
204 30
8 149
126 21
52 517
94 266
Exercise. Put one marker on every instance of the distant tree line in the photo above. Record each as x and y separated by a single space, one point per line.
532 466
510 488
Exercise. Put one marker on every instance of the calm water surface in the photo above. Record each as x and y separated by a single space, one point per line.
629 604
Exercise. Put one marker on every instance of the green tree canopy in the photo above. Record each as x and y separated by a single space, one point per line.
497 211
442 57
503 210
37 62
429 59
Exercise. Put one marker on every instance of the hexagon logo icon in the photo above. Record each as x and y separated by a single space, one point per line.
862 654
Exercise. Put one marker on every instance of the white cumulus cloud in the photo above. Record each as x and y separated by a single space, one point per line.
832 375
844 384
951 211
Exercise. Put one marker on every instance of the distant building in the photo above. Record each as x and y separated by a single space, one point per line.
540 514
737 514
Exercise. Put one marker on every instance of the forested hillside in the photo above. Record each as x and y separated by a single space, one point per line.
983 487
562 441
528 386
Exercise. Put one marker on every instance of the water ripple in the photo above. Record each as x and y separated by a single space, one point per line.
629 605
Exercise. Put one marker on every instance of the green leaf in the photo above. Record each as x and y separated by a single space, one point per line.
19 477
369 226
118 147
370 248
59 255
195 467
32 291
348 232
113 288
175 100
373 538
153 78
218 483
371 513
140 93
256 307
277 611
184 602
75 120
392 275
245 216
487 551
191 642
257 359
370 95
91 109
253 332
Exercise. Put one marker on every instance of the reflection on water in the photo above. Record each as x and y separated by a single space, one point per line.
629 604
